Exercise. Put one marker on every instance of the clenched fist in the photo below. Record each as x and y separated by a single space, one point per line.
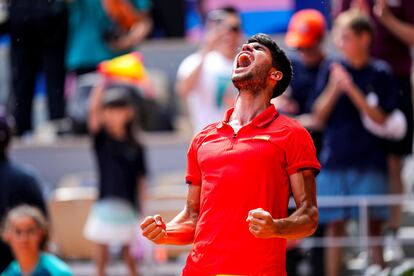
154 229
261 223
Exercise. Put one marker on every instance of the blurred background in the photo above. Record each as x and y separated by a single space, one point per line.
57 58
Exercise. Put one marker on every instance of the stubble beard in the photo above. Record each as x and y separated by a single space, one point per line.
255 80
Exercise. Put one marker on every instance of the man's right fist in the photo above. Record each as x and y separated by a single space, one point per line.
154 229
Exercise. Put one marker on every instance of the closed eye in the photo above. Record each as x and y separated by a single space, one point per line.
258 47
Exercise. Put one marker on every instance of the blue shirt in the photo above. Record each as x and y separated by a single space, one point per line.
48 265
303 83
88 23
346 143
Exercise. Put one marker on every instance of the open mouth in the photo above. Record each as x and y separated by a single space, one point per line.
244 60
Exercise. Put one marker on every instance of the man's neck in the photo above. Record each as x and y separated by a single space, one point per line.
359 61
248 106
27 263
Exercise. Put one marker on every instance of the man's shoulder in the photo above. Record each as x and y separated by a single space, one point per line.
284 122
207 130
19 179
287 129
24 172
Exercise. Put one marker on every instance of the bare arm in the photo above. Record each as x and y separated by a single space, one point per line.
136 34
359 100
95 108
340 81
301 223
325 103
142 192
185 84
181 229
402 30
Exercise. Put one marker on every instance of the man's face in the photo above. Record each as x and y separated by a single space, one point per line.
349 43
230 30
310 55
252 67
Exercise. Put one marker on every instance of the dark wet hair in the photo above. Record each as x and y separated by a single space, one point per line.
279 60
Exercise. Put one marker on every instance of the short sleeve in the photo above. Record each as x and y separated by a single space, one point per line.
188 65
193 174
142 5
300 152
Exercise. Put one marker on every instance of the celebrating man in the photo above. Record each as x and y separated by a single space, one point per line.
240 173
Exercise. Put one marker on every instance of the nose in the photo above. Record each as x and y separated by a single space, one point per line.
247 47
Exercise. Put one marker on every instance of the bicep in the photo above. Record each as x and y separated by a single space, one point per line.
303 186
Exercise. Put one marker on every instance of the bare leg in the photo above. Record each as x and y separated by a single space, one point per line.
101 258
376 251
129 261
396 187
333 254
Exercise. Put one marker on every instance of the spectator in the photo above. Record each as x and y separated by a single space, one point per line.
394 26
38 37
357 168
305 35
204 78
17 185
26 232
98 31
122 169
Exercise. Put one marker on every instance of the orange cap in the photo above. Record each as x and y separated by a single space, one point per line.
306 27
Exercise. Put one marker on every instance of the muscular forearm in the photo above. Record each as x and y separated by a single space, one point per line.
358 99
300 224
180 230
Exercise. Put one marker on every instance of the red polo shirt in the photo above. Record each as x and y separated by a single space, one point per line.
238 173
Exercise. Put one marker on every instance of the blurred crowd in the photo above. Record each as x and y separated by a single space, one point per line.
356 104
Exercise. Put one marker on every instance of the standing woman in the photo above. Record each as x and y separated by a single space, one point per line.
121 165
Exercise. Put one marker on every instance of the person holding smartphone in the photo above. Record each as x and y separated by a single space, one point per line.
204 77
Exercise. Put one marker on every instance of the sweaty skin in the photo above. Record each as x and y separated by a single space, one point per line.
181 229
301 223
255 91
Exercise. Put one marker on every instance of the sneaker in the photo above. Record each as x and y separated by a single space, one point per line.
393 251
